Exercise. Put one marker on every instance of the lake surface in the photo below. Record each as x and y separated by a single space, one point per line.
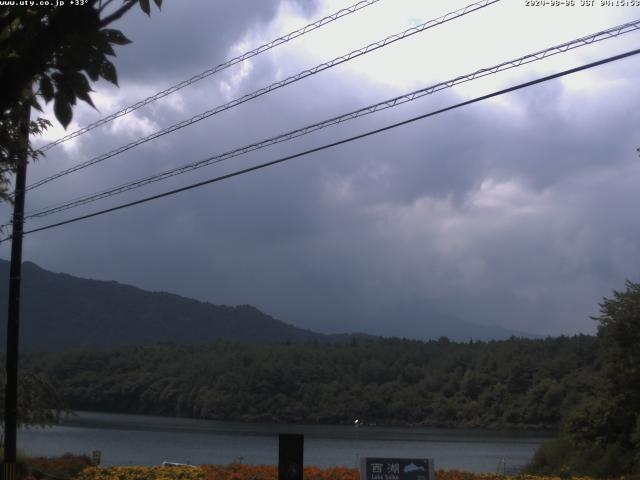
149 440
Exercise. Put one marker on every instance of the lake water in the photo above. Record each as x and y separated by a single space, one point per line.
149 440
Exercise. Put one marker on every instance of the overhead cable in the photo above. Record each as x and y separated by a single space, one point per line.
408 97
274 86
334 144
218 68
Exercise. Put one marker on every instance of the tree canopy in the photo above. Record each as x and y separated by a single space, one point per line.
39 402
53 54
50 54
601 436
515 383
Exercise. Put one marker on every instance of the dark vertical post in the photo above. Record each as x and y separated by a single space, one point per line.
290 457
13 317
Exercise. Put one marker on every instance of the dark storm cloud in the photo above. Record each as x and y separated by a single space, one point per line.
280 240
161 53
512 212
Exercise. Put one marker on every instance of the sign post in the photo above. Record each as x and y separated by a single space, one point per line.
290 457
376 468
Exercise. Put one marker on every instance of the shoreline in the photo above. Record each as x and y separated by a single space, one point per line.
73 419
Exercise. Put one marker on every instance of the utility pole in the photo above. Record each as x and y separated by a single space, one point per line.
13 317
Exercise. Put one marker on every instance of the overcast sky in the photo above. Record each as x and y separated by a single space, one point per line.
517 211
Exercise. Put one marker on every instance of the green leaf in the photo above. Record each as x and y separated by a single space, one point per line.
108 50
62 109
146 8
92 67
102 44
35 104
116 37
158 3
85 97
108 72
46 88
58 77
81 88
78 82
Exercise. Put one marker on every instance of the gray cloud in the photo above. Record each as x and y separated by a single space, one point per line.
517 213
160 53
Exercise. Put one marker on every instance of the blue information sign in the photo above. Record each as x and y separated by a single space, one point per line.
377 468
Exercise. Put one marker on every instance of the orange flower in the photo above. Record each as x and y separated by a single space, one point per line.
236 471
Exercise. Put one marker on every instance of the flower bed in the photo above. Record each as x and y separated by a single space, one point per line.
65 466
264 472
142 473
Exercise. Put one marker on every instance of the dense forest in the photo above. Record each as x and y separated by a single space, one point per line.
514 383
600 435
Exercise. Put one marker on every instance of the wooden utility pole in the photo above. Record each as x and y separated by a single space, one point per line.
13 317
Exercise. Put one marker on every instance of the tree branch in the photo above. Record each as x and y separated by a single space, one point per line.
104 5
118 13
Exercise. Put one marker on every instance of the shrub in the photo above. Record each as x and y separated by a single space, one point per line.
66 466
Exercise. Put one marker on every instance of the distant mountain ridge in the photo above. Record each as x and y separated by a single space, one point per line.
61 311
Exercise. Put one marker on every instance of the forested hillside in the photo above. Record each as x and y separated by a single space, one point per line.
513 383
60 311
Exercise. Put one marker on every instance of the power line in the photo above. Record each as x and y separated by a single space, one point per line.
390 103
274 86
334 144
218 68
